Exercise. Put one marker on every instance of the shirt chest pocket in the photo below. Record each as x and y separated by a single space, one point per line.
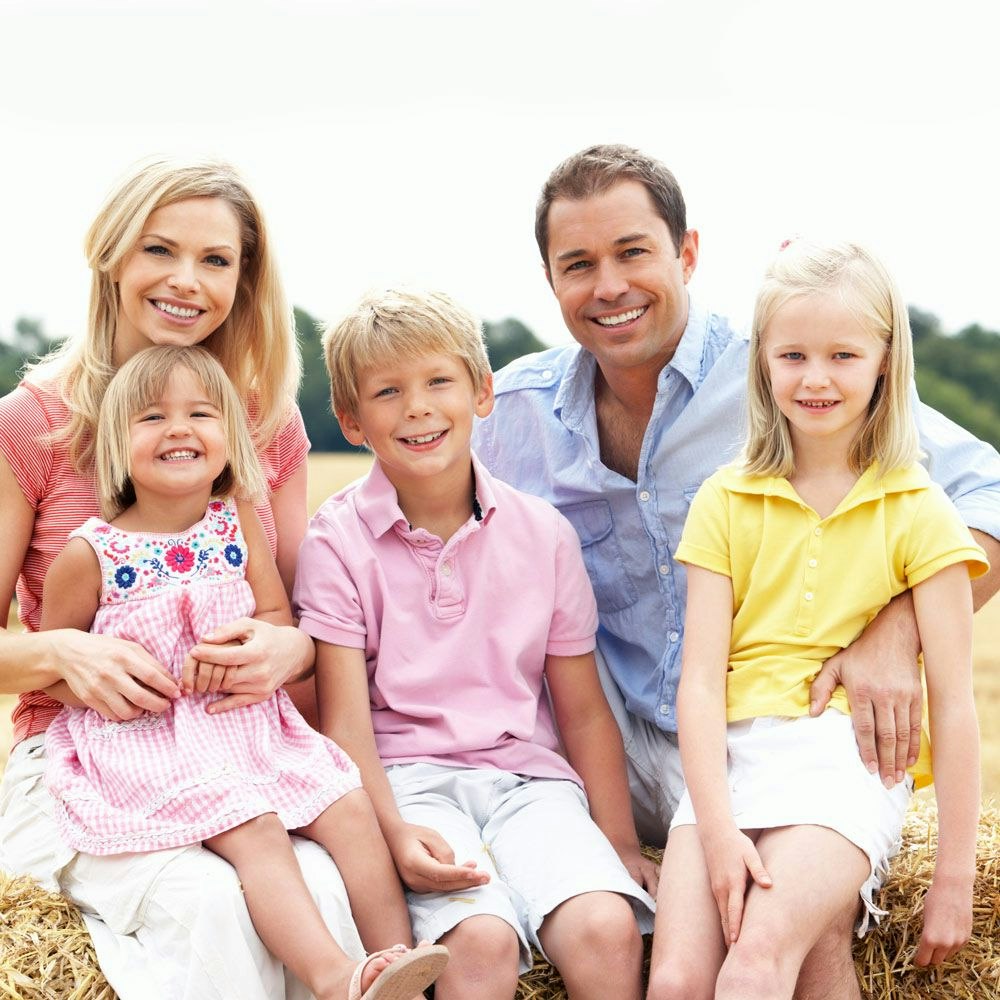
602 555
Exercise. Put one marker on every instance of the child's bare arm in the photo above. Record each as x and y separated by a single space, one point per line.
943 606
594 748
701 720
424 860
119 679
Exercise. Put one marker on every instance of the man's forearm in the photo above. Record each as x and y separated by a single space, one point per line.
987 585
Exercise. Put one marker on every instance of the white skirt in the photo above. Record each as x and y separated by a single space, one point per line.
805 770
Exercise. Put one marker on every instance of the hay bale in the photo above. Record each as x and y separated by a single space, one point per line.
45 950
46 953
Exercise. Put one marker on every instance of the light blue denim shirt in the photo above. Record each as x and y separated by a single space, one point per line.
542 438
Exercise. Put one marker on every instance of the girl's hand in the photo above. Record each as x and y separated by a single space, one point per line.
732 859
115 677
947 921
257 658
209 678
644 872
427 864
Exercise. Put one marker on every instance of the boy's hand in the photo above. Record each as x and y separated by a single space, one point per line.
947 921
427 864
731 858
645 872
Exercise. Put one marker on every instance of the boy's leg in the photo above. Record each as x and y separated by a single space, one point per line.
349 830
817 876
688 945
477 925
576 900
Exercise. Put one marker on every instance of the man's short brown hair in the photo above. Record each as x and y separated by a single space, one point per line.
598 168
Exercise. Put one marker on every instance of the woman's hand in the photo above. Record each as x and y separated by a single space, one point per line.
256 658
115 677
732 859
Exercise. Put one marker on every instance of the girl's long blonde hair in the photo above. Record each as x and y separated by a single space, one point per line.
858 280
255 344
139 384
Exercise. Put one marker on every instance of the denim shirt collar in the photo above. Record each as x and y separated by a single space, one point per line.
574 400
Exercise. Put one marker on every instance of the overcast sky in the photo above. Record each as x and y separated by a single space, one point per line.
406 141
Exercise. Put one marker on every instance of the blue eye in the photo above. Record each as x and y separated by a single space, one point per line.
217 260
793 355
157 250
843 355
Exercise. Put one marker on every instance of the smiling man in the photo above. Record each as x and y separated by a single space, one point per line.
620 430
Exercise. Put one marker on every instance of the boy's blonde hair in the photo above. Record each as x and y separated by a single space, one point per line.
856 278
140 383
396 323
255 344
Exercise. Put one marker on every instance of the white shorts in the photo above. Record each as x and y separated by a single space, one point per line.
171 924
534 836
799 771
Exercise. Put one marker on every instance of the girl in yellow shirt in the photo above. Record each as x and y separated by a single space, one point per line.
791 552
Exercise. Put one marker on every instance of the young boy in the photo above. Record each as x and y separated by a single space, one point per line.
453 620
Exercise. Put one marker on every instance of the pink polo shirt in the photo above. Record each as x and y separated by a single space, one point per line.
455 635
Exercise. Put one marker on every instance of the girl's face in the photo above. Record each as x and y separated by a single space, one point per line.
823 366
178 283
177 446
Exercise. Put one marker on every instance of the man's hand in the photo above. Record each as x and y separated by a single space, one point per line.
879 670
427 864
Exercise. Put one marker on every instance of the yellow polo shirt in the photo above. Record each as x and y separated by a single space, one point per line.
804 587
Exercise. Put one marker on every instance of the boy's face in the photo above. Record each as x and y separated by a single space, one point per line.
416 416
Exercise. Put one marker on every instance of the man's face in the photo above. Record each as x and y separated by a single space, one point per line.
618 277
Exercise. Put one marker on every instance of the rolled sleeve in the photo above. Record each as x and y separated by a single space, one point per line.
574 616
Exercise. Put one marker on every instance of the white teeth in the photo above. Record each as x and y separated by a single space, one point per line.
178 311
424 438
179 456
625 317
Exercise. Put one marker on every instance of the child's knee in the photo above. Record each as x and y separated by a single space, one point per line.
486 942
681 980
588 928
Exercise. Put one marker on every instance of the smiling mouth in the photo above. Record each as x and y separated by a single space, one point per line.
620 319
817 404
423 438
182 455
180 312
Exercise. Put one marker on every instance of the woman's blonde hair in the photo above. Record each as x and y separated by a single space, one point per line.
255 344
139 384
399 324
856 279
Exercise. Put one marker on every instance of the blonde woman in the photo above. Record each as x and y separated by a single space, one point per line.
180 256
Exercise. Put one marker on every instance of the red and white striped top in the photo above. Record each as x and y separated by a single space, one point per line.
63 500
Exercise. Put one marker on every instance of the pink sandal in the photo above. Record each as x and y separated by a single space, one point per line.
407 977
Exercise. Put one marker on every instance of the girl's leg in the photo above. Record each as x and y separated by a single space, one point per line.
817 873
349 830
688 945
594 942
283 911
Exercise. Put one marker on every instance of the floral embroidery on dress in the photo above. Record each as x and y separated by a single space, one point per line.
135 565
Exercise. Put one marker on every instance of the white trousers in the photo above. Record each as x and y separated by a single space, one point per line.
169 925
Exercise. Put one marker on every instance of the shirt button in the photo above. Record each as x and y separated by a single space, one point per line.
446 569
813 563
664 569
644 496
808 595
664 710
817 531
547 373
674 636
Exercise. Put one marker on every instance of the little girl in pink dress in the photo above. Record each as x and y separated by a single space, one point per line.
178 557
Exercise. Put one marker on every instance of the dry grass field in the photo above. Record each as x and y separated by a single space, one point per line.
329 472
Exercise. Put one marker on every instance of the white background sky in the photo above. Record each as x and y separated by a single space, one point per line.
406 141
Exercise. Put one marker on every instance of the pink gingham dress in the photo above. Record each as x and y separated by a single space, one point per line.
178 778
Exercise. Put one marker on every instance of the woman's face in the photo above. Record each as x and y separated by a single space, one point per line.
178 283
